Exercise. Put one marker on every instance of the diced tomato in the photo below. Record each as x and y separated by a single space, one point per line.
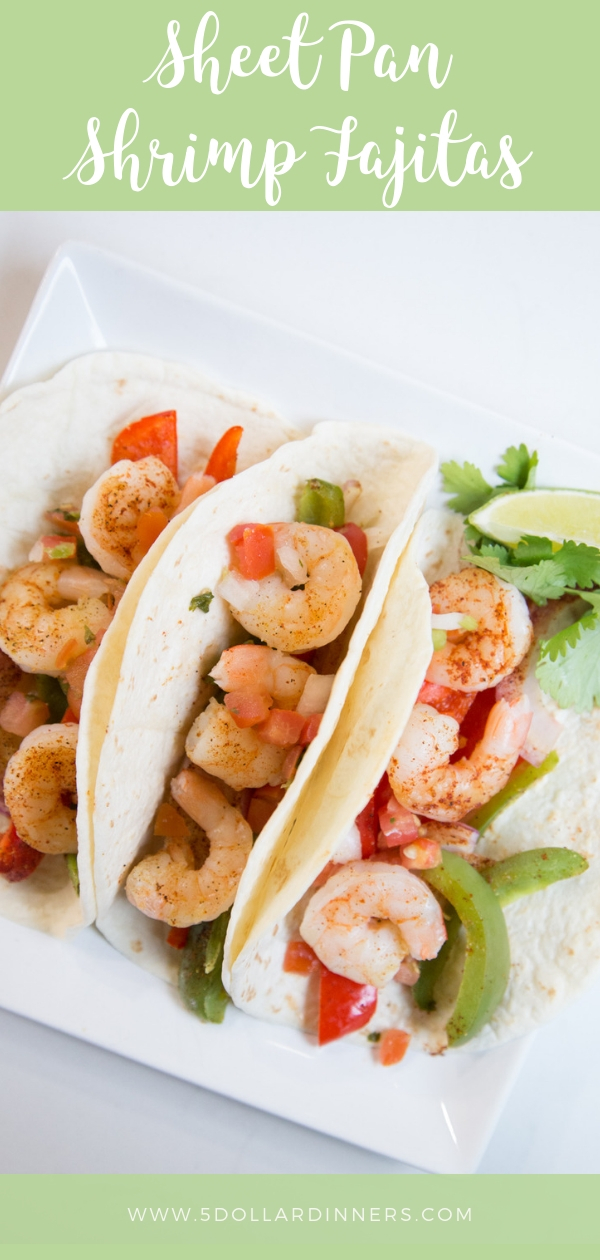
223 459
473 726
446 700
17 859
68 652
248 707
311 728
150 525
169 822
398 825
343 1006
421 855
259 813
177 938
368 828
59 517
357 539
393 1045
252 550
152 435
53 547
283 727
300 958
290 764
20 715
69 716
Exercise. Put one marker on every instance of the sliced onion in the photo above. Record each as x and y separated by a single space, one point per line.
288 560
238 591
79 582
316 693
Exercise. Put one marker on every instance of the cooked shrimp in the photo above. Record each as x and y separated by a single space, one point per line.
237 756
423 780
251 666
40 788
38 626
368 917
309 599
167 886
112 508
483 656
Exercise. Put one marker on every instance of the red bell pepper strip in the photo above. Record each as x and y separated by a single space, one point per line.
152 435
223 459
343 1006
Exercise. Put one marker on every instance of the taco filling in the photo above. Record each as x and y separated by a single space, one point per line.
411 900
54 613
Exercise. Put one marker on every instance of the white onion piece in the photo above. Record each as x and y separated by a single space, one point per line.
80 582
349 847
36 555
446 621
238 591
289 561
316 693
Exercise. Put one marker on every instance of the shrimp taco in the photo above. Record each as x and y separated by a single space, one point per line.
445 865
238 661
91 498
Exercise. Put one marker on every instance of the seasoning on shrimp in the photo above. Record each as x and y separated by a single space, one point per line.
307 598
503 634
114 506
40 789
168 886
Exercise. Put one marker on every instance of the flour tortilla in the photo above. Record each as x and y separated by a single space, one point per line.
56 441
169 650
554 934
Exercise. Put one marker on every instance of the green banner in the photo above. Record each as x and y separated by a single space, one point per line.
167 104
249 1214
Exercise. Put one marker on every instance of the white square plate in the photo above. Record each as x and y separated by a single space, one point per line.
436 1113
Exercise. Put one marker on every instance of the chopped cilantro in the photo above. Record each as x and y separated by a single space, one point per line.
518 467
569 664
374 1036
89 635
539 572
201 601
540 582
84 556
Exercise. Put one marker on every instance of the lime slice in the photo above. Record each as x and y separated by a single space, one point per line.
556 514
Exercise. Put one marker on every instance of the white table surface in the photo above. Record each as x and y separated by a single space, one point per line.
501 309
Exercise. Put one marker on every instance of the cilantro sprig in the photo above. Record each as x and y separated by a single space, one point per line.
469 488
568 668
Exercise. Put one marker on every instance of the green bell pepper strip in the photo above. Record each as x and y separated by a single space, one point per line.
200 983
487 962
521 778
431 970
321 503
528 872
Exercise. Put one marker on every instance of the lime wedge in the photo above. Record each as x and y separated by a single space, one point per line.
560 515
